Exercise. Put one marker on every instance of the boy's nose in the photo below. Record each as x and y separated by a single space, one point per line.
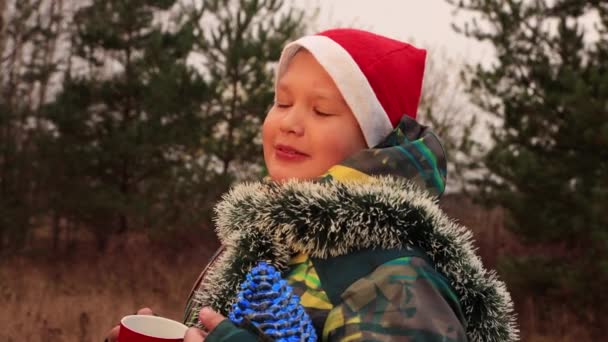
292 122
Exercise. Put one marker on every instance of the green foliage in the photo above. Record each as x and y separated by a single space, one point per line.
549 164
121 129
14 191
538 275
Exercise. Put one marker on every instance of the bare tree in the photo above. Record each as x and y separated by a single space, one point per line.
29 31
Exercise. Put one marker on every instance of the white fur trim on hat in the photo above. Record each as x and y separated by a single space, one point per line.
350 80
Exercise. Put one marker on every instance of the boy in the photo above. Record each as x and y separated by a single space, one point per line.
349 215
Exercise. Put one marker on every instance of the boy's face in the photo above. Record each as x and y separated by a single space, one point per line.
310 127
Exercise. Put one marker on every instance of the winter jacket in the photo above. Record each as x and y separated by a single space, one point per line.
365 247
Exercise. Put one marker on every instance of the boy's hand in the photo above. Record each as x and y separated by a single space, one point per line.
112 335
194 335
210 320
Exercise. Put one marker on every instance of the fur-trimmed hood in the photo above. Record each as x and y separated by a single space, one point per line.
270 221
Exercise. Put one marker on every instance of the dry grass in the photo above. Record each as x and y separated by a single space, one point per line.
78 297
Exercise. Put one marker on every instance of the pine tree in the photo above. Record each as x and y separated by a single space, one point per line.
549 163
127 114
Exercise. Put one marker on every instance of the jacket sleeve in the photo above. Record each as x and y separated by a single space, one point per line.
404 299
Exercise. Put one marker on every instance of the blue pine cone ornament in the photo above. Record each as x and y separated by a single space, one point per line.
268 302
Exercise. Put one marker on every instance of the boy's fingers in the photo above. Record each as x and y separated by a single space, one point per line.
112 335
194 335
209 318
145 311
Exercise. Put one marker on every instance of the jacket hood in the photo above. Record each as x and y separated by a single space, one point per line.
411 151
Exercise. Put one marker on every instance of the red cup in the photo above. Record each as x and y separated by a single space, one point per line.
146 328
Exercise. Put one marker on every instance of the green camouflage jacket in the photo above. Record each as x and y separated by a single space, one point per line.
366 248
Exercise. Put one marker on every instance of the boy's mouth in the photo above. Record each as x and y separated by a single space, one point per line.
288 153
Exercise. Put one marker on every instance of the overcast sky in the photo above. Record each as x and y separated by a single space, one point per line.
426 23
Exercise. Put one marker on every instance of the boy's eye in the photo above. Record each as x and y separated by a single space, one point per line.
320 113
282 105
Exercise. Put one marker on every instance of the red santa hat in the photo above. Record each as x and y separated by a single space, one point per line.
380 78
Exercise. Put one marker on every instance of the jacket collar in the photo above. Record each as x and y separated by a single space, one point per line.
269 221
